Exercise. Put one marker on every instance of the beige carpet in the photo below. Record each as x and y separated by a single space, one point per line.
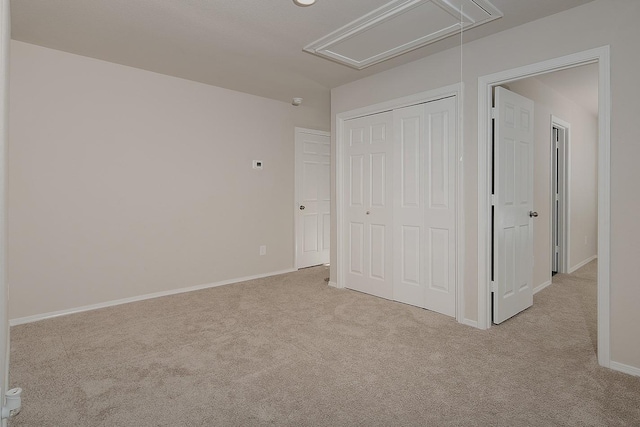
289 350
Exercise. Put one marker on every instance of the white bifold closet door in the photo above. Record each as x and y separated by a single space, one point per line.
425 212
368 204
407 171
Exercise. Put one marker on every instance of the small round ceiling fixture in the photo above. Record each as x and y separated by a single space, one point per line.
304 3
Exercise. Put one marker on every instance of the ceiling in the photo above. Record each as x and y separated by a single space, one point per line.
253 46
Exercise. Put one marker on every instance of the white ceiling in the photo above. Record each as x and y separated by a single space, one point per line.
253 46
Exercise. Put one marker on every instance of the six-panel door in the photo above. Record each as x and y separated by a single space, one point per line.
399 205
513 205
368 205
425 211
313 153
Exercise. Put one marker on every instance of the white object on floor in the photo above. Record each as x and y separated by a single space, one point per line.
13 403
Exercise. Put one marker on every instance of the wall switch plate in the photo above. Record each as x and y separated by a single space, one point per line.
263 250
257 164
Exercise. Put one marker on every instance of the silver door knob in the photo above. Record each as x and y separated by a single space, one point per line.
533 214
301 207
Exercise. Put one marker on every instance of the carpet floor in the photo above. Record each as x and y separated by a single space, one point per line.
289 350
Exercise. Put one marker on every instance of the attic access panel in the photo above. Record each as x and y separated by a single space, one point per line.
400 26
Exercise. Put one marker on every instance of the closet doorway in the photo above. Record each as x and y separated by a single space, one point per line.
397 185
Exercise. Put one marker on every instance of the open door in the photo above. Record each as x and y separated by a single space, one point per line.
512 200
559 226
313 219
555 200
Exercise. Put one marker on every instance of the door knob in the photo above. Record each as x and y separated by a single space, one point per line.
301 207
533 214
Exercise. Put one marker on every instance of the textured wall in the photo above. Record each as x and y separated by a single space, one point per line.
583 166
599 23
124 182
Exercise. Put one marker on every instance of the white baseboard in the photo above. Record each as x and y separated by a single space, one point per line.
5 380
469 322
333 284
621 367
582 264
50 315
541 287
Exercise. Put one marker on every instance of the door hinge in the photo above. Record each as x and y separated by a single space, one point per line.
494 287
493 200
494 112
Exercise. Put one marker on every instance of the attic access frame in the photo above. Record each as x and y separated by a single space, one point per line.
399 27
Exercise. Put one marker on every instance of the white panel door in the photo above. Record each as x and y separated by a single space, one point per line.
313 154
368 206
425 211
513 205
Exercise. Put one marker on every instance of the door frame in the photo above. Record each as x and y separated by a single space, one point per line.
455 90
565 206
601 56
5 341
296 221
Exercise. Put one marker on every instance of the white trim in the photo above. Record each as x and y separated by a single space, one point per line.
601 56
565 226
541 286
5 38
327 46
333 284
339 181
582 264
604 207
51 315
460 229
405 101
469 322
455 90
5 381
566 202
621 367
296 217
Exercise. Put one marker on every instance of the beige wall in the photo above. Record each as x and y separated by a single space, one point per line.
602 22
124 182
582 181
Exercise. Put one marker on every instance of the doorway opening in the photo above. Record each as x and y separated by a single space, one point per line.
573 95
312 197
560 131
599 56
346 258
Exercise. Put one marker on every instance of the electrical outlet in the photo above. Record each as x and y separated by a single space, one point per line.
263 250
